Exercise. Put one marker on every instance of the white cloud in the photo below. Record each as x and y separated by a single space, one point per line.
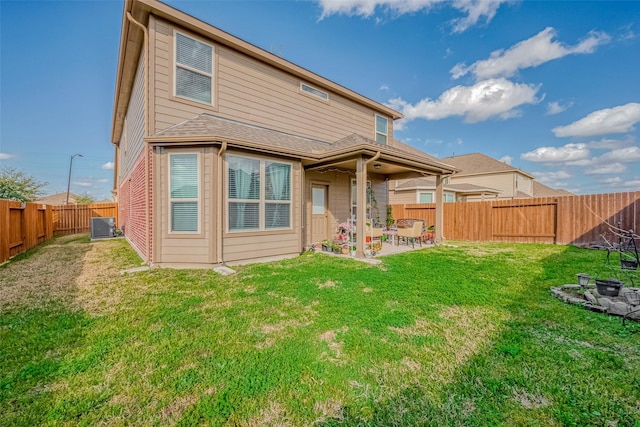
366 8
506 159
566 153
6 156
609 120
108 166
433 141
609 144
611 181
623 155
103 180
526 54
84 184
474 10
553 179
486 99
384 87
556 108
607 168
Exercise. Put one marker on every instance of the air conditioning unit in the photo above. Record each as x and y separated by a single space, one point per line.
103 228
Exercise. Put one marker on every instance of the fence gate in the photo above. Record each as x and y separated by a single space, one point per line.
524 222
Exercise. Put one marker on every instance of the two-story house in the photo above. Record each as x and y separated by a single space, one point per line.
226 153
423 190
484 171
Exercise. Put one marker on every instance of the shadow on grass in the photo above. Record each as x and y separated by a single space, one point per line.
43 332
551 363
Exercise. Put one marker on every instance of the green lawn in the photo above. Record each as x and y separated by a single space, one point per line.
465 335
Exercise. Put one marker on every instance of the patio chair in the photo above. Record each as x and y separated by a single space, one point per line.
412 232
374 233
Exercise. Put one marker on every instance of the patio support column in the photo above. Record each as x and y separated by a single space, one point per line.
361 206
439 209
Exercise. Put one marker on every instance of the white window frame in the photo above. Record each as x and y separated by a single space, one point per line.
381 134
309 90
181 199
262 200
177 65
448 194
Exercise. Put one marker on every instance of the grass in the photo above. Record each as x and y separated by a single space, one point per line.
465 335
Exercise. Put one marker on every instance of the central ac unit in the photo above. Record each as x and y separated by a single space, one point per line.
103 228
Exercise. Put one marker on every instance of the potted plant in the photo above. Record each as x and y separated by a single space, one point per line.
430 234
390 219
609 287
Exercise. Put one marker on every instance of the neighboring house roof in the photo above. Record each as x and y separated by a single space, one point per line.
131 41
541 190
479 164
428 183
206 128
58 199
103 201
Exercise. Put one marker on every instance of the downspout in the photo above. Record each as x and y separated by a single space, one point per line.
373 159
147 126
220 219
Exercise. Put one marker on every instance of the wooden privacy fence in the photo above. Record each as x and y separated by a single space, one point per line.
70 219
577 220
26 225
23 226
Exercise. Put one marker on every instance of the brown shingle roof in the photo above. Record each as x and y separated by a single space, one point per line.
541 190
430 183
478 163
209 128
58 199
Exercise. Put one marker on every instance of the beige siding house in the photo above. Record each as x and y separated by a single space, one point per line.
484 171
226 153
423 190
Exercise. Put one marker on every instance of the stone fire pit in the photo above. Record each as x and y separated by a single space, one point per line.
627 303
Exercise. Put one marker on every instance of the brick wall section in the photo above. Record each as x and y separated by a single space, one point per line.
133 206
150 225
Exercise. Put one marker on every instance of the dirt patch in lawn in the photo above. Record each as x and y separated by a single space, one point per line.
63 272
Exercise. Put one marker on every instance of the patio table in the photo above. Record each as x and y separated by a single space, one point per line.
393 235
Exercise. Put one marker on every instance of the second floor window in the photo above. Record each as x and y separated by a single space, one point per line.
382 126
194 69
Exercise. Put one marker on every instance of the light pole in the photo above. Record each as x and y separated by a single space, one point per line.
69 180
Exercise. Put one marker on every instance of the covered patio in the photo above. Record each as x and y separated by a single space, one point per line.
368 167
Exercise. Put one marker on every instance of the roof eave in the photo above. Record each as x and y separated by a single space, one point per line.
231 143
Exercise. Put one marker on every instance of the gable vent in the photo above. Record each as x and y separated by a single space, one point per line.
103 228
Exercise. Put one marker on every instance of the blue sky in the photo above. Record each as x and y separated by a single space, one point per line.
551 87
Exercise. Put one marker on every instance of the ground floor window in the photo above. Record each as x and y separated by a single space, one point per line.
258 193
425 198
184 192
